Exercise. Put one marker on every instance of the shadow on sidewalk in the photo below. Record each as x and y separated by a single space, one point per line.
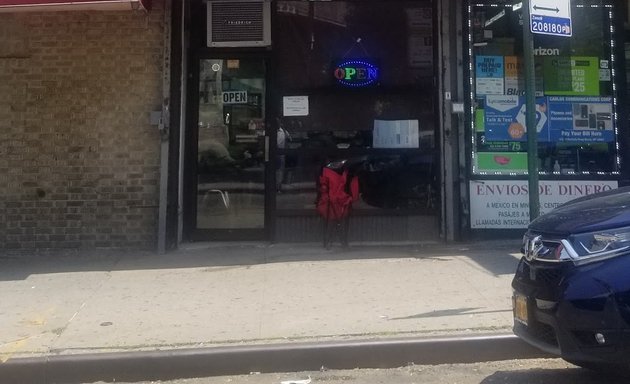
495 257
552 376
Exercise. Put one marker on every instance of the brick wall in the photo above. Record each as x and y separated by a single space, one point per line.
79 162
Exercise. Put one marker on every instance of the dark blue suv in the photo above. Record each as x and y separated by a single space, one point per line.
572 285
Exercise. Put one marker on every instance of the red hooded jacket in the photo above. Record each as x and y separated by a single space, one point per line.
336 194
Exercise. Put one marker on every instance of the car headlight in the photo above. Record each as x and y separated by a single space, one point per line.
547 250
595 246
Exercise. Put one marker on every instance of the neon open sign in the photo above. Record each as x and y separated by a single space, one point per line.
356 73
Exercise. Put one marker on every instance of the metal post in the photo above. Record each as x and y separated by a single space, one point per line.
448 130
164 130
183 80
530 115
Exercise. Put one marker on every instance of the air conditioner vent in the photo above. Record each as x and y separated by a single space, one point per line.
239 23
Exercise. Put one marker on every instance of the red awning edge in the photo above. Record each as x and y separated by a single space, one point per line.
73 5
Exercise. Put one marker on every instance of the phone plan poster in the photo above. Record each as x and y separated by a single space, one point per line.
558 119
505 119
571 76
581 119
489 75
514 80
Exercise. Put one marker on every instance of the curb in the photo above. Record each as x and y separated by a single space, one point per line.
292 357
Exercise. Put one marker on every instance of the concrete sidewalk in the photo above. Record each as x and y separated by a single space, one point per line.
219 295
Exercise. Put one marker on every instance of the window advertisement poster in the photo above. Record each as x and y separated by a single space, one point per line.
514 80
502 161
504 118
295 105
504 204
420 39
559 119
489 75
575 94
395 134
581 119
571 76
420 48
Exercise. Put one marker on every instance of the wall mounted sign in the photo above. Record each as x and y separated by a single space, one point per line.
356 73
504 204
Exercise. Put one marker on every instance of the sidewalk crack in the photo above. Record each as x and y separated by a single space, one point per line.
61 330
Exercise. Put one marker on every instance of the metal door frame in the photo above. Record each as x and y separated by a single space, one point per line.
191 232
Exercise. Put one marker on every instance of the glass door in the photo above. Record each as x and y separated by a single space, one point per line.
232 149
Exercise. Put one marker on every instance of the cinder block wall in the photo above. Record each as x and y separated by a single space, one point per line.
79 160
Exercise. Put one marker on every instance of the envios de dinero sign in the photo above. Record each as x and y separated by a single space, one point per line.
550 17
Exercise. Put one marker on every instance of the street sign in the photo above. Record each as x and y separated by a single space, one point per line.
550 17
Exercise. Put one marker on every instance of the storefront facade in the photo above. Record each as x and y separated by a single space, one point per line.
424 101
285 88
212 120
581 110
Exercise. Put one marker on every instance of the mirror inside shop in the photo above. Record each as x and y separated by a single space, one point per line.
576 118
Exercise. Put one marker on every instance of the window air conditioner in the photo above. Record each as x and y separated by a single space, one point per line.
239 23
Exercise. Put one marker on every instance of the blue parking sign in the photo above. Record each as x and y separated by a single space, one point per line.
551 17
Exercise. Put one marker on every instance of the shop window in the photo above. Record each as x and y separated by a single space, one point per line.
576 99
361 77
